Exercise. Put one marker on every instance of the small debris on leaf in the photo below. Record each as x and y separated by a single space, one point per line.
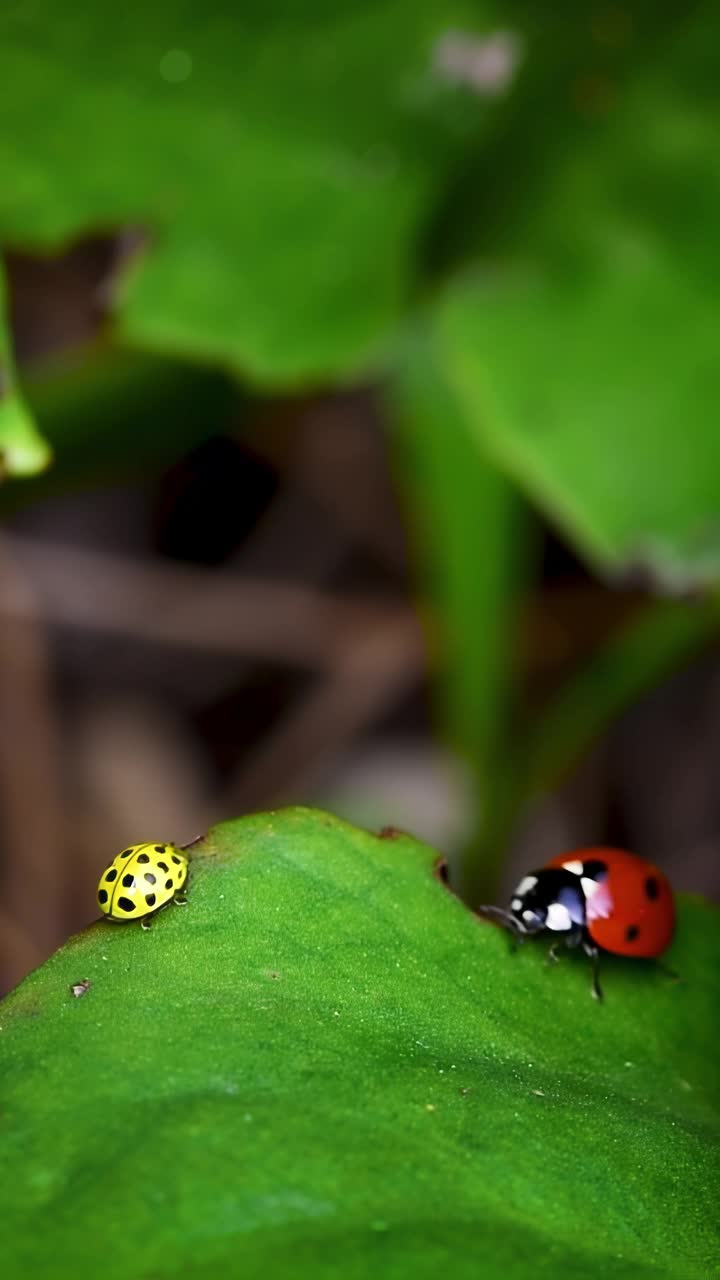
79 989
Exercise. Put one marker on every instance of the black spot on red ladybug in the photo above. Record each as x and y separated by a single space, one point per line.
150 899
164 867
631 933
151 879
129 880
125 904
111 875
594 869
102 896
126 853
652 888
143 857
169 883
160 848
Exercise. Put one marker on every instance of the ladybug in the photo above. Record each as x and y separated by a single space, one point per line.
141 881
603 900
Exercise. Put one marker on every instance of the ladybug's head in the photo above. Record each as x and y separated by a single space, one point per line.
551 899
528 911
548 899
529 904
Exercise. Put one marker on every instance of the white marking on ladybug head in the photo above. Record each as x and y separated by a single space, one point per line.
528 915
574 866
526 884
558 918
516 904
589 887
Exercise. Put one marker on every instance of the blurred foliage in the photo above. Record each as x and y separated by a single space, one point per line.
469 538
299 182
540 749
584 338
325 1064
641 654
113 415
22 450
280 162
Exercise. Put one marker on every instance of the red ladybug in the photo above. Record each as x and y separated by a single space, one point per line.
599 899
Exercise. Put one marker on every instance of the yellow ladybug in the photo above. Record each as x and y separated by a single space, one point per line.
141 880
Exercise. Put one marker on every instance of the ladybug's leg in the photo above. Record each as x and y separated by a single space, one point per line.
180 898
146 922
592 951
515 937
574 939
569 940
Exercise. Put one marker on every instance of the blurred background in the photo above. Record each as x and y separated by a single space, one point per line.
359 375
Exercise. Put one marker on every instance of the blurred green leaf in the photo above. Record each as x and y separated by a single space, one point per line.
112 415
467 526
117 409
584 343
325 1065
22 449
280 161
468 531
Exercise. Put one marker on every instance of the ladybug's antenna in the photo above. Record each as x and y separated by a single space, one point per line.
499 916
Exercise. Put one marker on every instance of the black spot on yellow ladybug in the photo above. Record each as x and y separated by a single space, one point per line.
137 883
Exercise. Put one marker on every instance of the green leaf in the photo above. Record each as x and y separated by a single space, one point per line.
280 160
325 1065
23 451
119 414
585 343
468 527
466 522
